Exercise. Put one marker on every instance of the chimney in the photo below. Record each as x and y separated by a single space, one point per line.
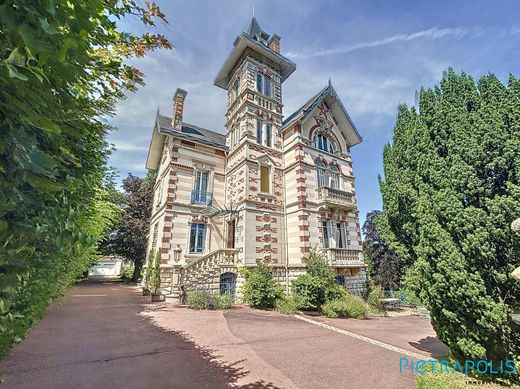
178 108
274 43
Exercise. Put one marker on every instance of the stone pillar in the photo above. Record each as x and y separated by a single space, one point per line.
173 296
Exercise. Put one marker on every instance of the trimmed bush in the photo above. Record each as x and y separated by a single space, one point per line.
206 300
260 290
155 273
286 305
349 306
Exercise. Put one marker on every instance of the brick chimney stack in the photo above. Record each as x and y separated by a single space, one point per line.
178 108
274 43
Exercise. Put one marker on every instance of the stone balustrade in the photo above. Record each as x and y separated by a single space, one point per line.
335 198
344 257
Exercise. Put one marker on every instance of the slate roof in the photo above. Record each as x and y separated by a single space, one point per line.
192 133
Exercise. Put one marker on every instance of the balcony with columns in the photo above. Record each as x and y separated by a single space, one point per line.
335 198
344 257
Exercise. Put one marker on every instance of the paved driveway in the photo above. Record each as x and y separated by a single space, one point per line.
104 335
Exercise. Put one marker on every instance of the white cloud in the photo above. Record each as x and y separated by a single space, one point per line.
432 33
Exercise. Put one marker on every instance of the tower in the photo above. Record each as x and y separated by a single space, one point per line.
253 74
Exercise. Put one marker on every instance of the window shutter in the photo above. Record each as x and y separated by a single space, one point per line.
268 135
259 83
259 125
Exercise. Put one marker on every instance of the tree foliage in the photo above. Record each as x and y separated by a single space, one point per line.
129 239
385 268
260 289
318 285
450 191
62 67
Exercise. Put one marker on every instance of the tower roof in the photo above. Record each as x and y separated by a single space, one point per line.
255 31
258 40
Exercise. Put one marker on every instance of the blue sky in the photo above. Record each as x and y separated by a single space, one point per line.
377 54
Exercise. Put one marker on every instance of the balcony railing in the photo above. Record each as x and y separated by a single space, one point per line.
335 198
201 198
344 257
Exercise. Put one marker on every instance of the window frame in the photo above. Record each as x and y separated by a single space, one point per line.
321 176
264 84
265 180
197 238
325 233
341 235
324 143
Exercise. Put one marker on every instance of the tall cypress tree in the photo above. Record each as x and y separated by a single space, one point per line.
450 191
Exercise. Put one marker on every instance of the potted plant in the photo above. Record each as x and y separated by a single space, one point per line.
155 278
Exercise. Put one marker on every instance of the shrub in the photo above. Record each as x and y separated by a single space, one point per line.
286 305
206 300
155 272
314 288
349 306
127 272
375 294
198 300
260 289
224 301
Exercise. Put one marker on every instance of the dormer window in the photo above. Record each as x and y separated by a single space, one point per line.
264 84
324 143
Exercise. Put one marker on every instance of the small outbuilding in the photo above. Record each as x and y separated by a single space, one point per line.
109 266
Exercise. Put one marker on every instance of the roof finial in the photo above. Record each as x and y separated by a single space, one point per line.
330 83
253 10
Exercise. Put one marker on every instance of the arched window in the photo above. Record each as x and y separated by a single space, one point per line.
333 177
228 283
320 174
324 143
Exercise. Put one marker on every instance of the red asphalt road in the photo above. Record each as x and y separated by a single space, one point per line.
95 338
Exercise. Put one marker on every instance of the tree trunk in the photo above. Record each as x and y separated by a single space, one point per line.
138 265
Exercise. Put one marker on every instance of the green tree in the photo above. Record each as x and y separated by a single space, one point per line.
62 68
130 237
384 267
450 191
260 289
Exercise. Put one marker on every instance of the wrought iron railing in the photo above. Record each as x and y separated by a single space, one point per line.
199 197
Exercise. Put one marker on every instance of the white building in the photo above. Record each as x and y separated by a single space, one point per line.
267 191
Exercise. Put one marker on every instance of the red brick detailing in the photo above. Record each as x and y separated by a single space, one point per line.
164 250
165 240
175 149
172 173
298 148
302 198
303 204
220 153
167 229
174 159
169 206
171 181
187 143
303 217
168 218
300 158
171 190
297 129
304 238
163 261
300 171
305 249
300 179
259 239
301 189
304 228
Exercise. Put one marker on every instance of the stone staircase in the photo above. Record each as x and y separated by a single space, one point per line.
204 272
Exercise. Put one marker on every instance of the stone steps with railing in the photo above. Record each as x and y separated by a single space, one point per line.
206 270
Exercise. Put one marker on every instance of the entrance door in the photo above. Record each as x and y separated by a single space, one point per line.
231 234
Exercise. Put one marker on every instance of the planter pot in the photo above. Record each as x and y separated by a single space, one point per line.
146 291
156 297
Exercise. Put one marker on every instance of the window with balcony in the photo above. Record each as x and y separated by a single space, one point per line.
341 236
325 231
264 84
333 177
200 194
197 237
264 133
265 179
324 143
320 174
